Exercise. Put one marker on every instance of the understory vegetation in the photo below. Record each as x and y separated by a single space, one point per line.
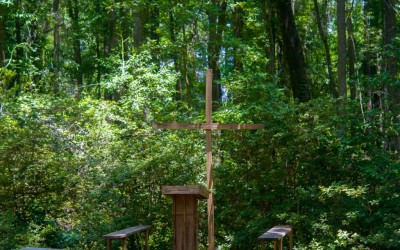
80 90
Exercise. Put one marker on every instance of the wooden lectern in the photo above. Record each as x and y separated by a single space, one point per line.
185 214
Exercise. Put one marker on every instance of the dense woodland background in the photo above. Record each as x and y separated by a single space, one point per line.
81 82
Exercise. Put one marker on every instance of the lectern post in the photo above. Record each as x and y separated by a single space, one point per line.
185 214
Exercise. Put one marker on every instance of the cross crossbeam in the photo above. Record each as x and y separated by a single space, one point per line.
209 126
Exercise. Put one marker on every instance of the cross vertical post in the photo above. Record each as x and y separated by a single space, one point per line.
210 184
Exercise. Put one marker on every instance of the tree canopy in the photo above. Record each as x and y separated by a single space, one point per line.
81 83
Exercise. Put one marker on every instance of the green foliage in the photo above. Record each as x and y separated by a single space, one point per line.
77 162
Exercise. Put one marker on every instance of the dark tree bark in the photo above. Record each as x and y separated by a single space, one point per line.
324 37
238 33
172 34
138 35
98 49
19 52
293 52
216 23
389 55
369 67
2 34
109 36
270 51
351 49
390 67
342 57
342 53
125 30
56 36
73 11
153 23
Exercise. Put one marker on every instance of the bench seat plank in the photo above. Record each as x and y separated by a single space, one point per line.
276 233
127 232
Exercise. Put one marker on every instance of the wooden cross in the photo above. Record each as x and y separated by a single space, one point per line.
208 127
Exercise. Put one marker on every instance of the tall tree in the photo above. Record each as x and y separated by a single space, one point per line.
73 12
270 29
238 23
390 62
18 39
293 51
342 54
2 34
56 35
351 49
389 56
216 24
138 36
109 33
324 37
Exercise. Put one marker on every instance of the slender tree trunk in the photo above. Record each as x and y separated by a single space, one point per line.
351 58
323 33
270 24
138 27
56 41
73 11
342 54
175 57
238 33
19 52
109 37
369 67
389 55
125 31
98 50
293 52
153 23
216 23
2 34
185 73
390 63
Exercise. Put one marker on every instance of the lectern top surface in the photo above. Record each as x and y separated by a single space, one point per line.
200 191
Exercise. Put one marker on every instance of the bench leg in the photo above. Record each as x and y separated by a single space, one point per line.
291 240
124 244
275 245
147 240
263 245
280 244
108 244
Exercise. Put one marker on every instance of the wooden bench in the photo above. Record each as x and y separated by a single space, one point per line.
123 234
276 235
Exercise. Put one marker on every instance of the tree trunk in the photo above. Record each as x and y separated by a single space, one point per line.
2 35
351 58
138 36
342 56
323 33
270 24
293 52
56 39
238 33
125 31
390 64
73 11
98 50
109 36
389 55
216 23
